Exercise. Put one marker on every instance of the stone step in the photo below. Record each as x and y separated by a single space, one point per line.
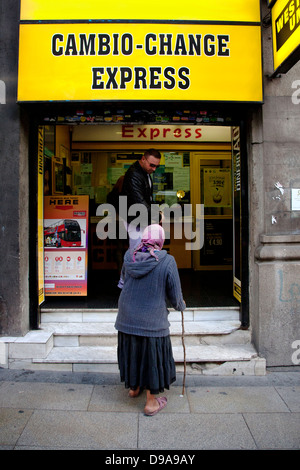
35 344
101 334
109 315
38 343
108 354
37 349
86 340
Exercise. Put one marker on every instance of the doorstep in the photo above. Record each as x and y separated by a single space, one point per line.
205 360
85 340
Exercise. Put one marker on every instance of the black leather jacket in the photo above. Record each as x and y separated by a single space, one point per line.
137 189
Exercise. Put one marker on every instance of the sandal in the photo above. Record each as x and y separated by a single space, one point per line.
162 402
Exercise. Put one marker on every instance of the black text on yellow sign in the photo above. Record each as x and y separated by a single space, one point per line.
286 34
287 22
134 62
153 44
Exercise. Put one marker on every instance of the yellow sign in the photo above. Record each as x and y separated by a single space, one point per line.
286 34
217 10
133 61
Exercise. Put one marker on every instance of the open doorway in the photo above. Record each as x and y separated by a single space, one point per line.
76 163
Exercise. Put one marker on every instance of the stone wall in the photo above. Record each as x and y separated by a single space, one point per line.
14 302
274 169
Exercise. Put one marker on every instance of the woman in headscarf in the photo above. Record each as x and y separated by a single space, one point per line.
145 354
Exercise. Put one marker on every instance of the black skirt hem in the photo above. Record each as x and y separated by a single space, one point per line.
146 362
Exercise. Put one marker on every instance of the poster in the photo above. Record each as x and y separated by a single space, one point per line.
217 187
66 245
217 248
295 199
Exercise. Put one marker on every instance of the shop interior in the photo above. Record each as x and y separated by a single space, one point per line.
189 174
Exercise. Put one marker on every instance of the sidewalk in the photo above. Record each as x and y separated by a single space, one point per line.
56 410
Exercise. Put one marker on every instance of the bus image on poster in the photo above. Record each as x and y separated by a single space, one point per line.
63 233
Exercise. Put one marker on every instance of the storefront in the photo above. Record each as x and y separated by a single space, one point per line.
97 86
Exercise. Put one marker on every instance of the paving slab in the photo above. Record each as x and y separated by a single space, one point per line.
235 400
192 431
280 431
115 398
80 430
291 396
12 423
47 396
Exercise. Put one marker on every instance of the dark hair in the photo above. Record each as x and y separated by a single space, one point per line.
155 153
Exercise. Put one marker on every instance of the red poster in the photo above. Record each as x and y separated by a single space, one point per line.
66 244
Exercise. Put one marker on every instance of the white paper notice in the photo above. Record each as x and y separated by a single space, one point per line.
295 199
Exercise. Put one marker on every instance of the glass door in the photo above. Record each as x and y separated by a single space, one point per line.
211 185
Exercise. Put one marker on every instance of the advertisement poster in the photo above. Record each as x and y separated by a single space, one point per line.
66 245
217 184
217 249
295 199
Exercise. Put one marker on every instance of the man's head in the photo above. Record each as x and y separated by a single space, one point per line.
150 160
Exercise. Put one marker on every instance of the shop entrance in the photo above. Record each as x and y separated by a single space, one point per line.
80 168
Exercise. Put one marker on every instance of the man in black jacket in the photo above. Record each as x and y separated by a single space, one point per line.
138 188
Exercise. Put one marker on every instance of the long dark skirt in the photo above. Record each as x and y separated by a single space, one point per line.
146 362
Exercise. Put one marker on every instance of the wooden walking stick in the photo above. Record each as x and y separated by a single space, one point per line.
184 355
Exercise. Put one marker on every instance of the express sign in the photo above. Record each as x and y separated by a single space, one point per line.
147 132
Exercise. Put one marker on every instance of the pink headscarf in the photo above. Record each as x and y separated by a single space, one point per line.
152 239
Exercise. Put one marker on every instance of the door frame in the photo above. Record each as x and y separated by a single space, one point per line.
244 311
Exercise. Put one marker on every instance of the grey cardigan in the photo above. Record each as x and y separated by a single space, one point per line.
142 303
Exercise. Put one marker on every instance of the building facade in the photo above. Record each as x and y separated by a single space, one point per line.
262 118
